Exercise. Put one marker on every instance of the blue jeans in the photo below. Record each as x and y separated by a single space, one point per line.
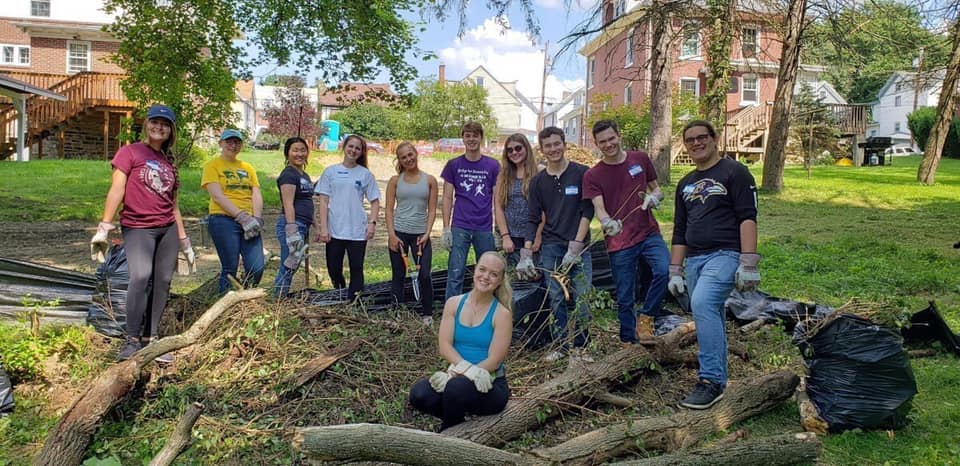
710 279
625 264
482 242
227 237
281 285
581 276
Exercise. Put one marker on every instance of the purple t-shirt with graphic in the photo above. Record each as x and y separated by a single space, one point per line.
473 191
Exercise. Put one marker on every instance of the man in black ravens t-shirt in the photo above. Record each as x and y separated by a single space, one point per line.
715 231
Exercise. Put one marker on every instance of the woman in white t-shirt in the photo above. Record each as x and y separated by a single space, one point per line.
345 226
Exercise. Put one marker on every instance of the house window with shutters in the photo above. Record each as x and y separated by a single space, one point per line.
40 8
78 56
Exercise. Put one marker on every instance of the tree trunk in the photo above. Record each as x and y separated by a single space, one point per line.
723 15
741 400
180 438
779 450
941 126
775 155
661 91
67 442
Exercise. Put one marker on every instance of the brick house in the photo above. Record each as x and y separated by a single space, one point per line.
60 46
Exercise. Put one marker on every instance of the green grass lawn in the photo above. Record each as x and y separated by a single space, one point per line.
871 232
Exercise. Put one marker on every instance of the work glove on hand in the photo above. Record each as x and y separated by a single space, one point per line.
296 256
439 381
251 225
459 368
525 268
748 277
446 239
611 226
652 199
574 248
293 236
99 244
187 250
480 377
676 285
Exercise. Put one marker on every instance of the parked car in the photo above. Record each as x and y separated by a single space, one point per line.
899 151
454 145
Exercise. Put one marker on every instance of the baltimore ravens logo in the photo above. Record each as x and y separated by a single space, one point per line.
703 189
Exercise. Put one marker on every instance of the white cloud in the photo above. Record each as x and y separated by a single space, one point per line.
580 5
508 55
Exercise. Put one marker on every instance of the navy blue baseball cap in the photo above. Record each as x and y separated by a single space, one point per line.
231 133
161 111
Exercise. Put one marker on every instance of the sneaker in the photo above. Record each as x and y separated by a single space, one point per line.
581 355
427 321
703 396
130 346
165 358
554 356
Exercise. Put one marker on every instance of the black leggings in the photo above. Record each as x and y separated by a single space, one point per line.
151 254
400 272
459 398
355 251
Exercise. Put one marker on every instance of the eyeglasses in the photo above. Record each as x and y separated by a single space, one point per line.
702 138
513 149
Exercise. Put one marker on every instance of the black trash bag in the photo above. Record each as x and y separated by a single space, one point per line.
64 295
928 325
859 374
108 311
747 306
531 314
6 393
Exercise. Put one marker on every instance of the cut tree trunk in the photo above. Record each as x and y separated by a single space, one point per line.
67 442
741 400
180 438
779 450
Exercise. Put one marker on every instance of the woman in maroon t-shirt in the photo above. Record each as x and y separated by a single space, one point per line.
145 181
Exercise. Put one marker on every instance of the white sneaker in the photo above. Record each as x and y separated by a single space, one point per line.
580 354
554 356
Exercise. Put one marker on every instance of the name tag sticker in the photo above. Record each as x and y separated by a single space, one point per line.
572 190
635 170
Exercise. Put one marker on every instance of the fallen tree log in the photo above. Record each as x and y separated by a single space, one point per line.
67 442
180 438
377 442
779 450
741 400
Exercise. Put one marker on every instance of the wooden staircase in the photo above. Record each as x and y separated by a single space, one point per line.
87 93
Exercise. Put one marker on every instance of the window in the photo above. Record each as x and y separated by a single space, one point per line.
734 85
591 66
14 55
630 45
896 101
690 47
690 86
896 127
40 8
78 56
479 81
899 86
749 42
578 100
620 8
628 94
751 88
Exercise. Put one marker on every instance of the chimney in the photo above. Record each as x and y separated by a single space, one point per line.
442 78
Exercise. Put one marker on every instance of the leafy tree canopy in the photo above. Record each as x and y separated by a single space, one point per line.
634 120
439 111
373 121
292 113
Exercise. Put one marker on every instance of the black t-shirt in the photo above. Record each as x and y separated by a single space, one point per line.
561 199
711 205
303 197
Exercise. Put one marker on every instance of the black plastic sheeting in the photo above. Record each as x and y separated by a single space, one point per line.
6 393
64 294
859 375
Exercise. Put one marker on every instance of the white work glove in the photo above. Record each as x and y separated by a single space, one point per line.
652 199
251 225
439 381
748 277
480 377
187 250
525 268
99 244
294 238
446 240
459 368
574 248
295 256
611 226
676 285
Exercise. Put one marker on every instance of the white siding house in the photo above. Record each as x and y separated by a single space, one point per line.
895 101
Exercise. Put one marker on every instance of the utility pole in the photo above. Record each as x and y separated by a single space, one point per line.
543 84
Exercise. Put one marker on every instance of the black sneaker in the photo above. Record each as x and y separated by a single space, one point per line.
130 346
704 395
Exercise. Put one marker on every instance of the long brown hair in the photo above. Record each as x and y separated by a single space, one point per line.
508 170
402 145
362 160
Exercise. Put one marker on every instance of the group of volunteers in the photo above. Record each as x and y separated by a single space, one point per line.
542 217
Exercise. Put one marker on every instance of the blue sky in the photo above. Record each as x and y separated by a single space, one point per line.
508 54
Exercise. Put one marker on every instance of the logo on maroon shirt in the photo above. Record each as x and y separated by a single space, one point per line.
157 177
702 190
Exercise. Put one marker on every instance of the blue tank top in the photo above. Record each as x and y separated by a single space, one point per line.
473 343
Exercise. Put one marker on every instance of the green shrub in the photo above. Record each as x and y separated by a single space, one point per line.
920 122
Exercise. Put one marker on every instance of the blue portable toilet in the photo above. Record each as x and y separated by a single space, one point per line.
331 135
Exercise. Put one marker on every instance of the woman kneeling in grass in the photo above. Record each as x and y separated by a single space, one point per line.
474 336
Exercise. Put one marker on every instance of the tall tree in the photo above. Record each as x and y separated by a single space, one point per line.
661 84
775 155
723 18
440 109
948 101
292 113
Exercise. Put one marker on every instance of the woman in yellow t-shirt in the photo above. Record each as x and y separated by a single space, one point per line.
236 206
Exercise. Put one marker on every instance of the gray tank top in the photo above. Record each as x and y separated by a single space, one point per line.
410 215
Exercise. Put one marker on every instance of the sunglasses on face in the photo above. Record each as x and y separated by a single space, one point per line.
513 149
702 138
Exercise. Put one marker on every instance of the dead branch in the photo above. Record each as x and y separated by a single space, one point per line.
319 364
779 450
614 400
180 438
